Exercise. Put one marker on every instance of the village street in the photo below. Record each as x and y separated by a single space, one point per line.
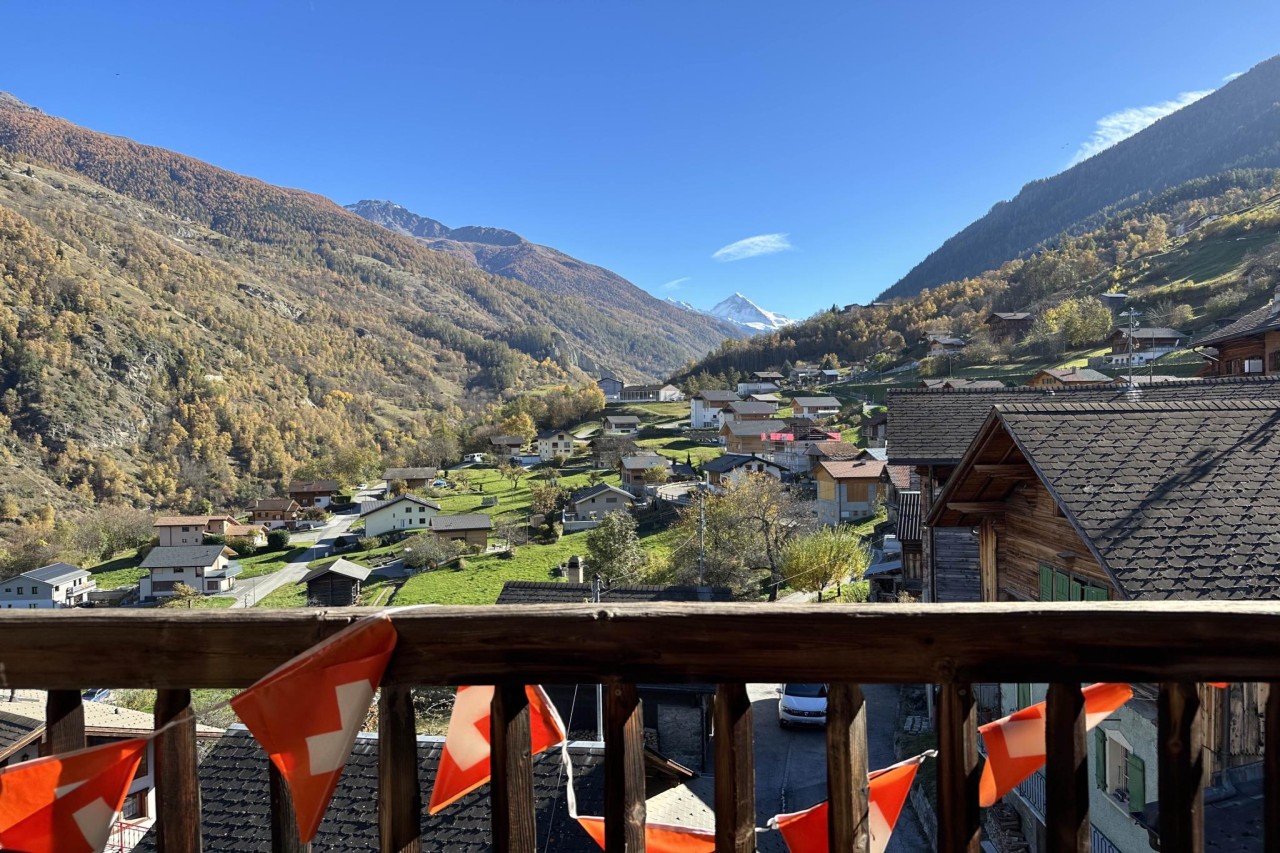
249 592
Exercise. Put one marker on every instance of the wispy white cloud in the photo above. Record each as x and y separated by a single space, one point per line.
1231 77
1121 125
675 283
761 244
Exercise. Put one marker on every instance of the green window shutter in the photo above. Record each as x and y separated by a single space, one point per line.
1100 758
1024 695
1077 591
1061 587
1137 784
1046 583
1096 593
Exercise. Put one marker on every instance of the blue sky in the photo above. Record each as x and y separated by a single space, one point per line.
841 141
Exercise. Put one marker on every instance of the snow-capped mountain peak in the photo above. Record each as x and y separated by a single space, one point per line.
741 311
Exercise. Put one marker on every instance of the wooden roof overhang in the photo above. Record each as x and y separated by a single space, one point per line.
988 473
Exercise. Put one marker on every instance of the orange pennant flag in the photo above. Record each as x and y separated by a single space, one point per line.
659 837
1221 685
307 713
1016 743
806 831
464 761
67 803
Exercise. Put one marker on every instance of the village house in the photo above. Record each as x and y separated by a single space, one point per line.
789 447
1010 326
205 568
403 513
554 442
766 398
173 530
336 584
803 375
49 587
1148 345
848 490
506 446
586 508
611 387
833 450
945 346
1250 346
1052 377
621 424
874 429
815 408
961 383
413 478
732 468
748 437
651 394
1128 500
313 494
471 529
635 470
747 410
274 513
705 407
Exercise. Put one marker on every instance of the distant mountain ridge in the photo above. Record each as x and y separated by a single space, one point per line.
741 312
506 253
1235 127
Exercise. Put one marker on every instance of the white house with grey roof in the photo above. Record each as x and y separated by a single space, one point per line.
50 587
705 406
208 569
406 512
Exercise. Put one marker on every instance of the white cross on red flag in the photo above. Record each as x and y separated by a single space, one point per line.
464 761
307 713
67 803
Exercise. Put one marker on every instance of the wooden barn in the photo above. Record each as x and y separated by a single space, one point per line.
335 585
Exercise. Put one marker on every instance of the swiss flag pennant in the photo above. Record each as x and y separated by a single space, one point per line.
307 713
806 831
1221 685
659 837
1016 743
464 762
67 803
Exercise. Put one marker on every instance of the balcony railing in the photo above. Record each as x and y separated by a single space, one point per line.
1176 645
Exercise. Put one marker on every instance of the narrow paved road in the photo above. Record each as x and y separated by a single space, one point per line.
251 591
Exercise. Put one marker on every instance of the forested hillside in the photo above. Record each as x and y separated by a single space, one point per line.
1236 127
1227 259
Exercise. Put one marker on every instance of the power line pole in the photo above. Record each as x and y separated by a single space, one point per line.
595 597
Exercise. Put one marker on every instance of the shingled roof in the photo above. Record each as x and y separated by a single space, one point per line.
1174 499
1265 318
909 517
929 427
551 592
235 809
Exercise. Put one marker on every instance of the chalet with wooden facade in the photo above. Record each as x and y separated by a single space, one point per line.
506 446
848 490
748 437
635 470
1009 325
1128 500
815 408
621 424
274 513
945 346
875 429
1148 345
747 410
413 478
316 494
336 584
705 406
1054 377
471 528
1248 347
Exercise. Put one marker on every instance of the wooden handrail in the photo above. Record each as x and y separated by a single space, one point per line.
719 643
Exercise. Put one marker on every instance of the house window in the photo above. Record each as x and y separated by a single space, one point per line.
1060 586
611 500
19 590
1118 771
1253 365
135 806
186 529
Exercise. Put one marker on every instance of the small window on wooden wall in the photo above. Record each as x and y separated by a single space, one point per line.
1057 585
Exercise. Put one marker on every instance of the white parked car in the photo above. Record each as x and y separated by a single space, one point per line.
802 705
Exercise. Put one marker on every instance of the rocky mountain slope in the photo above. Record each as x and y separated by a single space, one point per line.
1236 127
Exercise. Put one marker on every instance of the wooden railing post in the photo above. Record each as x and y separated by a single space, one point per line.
848 828
624 809
735 771
176 774
64 722
959 825
1271 769
1182 768
399 797
511 768
1066 771
284 823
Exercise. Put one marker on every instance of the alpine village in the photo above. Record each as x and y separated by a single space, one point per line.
331 528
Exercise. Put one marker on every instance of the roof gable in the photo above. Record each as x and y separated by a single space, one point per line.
368 508
599 489
173 556
340 566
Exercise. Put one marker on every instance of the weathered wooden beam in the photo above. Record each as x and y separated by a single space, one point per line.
667 643
512 817
1182 769
399 795
1271 769
64 722
624 808
959 823
848 827
1006 471
1066 771
735 771
977 507
284 822
176 774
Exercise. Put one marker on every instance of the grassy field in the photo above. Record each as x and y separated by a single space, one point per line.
265 564
486 482
651 413
118 573
209 602
482 578
679 448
